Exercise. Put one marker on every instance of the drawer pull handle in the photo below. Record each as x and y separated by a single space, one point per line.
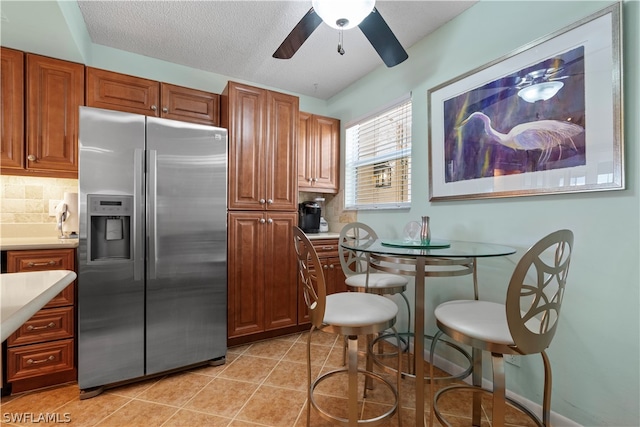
41 264
327 248
34 362
35 328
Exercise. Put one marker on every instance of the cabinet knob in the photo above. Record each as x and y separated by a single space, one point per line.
310 179
326 267
269 221
262 201
165 110
31 158
261 221
314 179
154 108
269 201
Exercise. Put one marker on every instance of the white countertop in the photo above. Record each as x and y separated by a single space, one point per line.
21 243
23 294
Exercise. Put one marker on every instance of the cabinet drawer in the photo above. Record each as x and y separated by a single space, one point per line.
45 259
326 247
45 325
39 359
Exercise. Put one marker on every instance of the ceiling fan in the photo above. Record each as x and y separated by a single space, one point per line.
344 15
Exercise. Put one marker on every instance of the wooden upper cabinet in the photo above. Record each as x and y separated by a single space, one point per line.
263 128
41 97
116 91
12 104
282 137
318 154
190 105
55 91
243 114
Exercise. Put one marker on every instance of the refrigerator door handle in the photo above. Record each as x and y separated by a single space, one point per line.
138 219
152 189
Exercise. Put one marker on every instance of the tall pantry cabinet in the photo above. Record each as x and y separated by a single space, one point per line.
262 202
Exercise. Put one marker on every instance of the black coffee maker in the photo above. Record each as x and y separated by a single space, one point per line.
309 217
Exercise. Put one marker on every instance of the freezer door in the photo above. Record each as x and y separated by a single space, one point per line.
187 240
110 290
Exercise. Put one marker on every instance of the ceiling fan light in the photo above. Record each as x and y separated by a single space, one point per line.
335 12
540 91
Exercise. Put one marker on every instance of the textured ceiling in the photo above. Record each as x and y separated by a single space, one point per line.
238 38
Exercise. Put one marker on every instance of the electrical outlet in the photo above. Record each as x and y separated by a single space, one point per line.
52 207
512 359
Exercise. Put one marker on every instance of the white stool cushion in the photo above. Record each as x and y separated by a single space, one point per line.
358 309
482 320
376 280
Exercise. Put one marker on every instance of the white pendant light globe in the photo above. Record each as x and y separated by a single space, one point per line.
343 14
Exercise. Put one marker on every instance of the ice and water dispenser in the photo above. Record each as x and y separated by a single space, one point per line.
110 235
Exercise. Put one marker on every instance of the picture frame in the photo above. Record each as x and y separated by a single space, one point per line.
544 119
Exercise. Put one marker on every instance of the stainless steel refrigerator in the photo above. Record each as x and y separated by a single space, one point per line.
152 255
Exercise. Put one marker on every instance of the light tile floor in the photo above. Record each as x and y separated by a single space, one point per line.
261 384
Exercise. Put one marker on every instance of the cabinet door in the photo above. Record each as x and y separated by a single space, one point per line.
334 276
281 161
281 284
55 90
245 120
319 154
305 152
190 105
45 259
12 105
115 91
326 162
246 266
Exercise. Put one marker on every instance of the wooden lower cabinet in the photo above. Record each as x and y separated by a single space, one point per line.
327 250
262 276
43 352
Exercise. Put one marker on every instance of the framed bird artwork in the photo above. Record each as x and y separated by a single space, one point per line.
544 119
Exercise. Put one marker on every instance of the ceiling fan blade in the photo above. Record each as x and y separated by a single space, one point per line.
382 39
298 35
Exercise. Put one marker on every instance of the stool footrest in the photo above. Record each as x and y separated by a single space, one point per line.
344 421
476 389
377 357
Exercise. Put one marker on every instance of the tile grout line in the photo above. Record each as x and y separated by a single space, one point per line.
263 380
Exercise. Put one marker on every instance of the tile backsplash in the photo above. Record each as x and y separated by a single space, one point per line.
25 199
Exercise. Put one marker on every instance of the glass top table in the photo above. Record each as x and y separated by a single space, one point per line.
442 258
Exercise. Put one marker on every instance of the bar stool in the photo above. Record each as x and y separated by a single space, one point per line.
524 324
360 278
349 314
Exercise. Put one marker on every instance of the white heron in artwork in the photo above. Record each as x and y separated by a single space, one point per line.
542 135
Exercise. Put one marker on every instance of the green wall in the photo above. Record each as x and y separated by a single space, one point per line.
595 354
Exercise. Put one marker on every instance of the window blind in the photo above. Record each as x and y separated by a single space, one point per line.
378 160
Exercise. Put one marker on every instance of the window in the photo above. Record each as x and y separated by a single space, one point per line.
378 160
